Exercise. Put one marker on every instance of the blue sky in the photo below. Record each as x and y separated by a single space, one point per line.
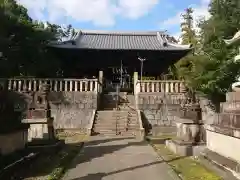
132 15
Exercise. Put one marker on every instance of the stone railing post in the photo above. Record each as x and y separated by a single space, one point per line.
135 81
100 79
136 86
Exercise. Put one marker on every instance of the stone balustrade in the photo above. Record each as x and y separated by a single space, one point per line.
168 86
67 85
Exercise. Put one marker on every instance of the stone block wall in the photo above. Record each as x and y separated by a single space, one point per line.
72 110
224 142
159 109
69 109
13 141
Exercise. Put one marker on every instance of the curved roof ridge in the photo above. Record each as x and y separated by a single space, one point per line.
130 33
122 40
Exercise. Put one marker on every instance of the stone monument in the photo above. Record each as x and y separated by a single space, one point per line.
190 129
229 118
223 136
38 116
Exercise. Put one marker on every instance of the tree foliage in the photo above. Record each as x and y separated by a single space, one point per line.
222 71
23 43
188 33
211 70
186 66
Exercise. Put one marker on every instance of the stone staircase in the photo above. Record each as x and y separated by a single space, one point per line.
108 101
113 120
122 123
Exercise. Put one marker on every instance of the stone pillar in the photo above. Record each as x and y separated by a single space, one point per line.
100 79
39 116
135 88
135 79
190 131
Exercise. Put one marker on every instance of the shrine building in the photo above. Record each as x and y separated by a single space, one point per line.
118 54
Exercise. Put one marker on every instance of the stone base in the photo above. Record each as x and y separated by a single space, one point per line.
223 141
222 162
40 132
233 97
185 149
164 130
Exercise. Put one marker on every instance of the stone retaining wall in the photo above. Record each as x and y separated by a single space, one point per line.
12 142
72 109
159 109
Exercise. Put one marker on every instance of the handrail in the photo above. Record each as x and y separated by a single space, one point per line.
153 81
141 129
90 125
56 84
47 79
139 119
163 86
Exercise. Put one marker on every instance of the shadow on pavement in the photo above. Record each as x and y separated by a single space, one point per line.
92 151
99 176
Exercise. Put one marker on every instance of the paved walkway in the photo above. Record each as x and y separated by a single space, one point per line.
118 159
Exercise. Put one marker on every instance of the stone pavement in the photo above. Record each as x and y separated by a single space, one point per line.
118 159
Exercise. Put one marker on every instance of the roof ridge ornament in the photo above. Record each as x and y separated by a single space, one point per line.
162 39
234 40
184 46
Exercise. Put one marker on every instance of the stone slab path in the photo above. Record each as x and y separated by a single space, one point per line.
118 159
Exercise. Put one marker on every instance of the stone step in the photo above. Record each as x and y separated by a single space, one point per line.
114 127
113 131
111 116
111 120
116 133
116 119
114 123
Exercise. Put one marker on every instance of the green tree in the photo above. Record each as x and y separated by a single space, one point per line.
211 71
224 22
188 33
24 43
186 67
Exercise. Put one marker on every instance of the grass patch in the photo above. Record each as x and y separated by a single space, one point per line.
68 153
53 165
186 167
65 157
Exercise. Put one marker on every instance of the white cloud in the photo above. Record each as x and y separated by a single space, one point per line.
135 8
99 12
172 21
200 11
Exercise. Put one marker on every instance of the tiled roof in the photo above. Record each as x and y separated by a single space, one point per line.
105 40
